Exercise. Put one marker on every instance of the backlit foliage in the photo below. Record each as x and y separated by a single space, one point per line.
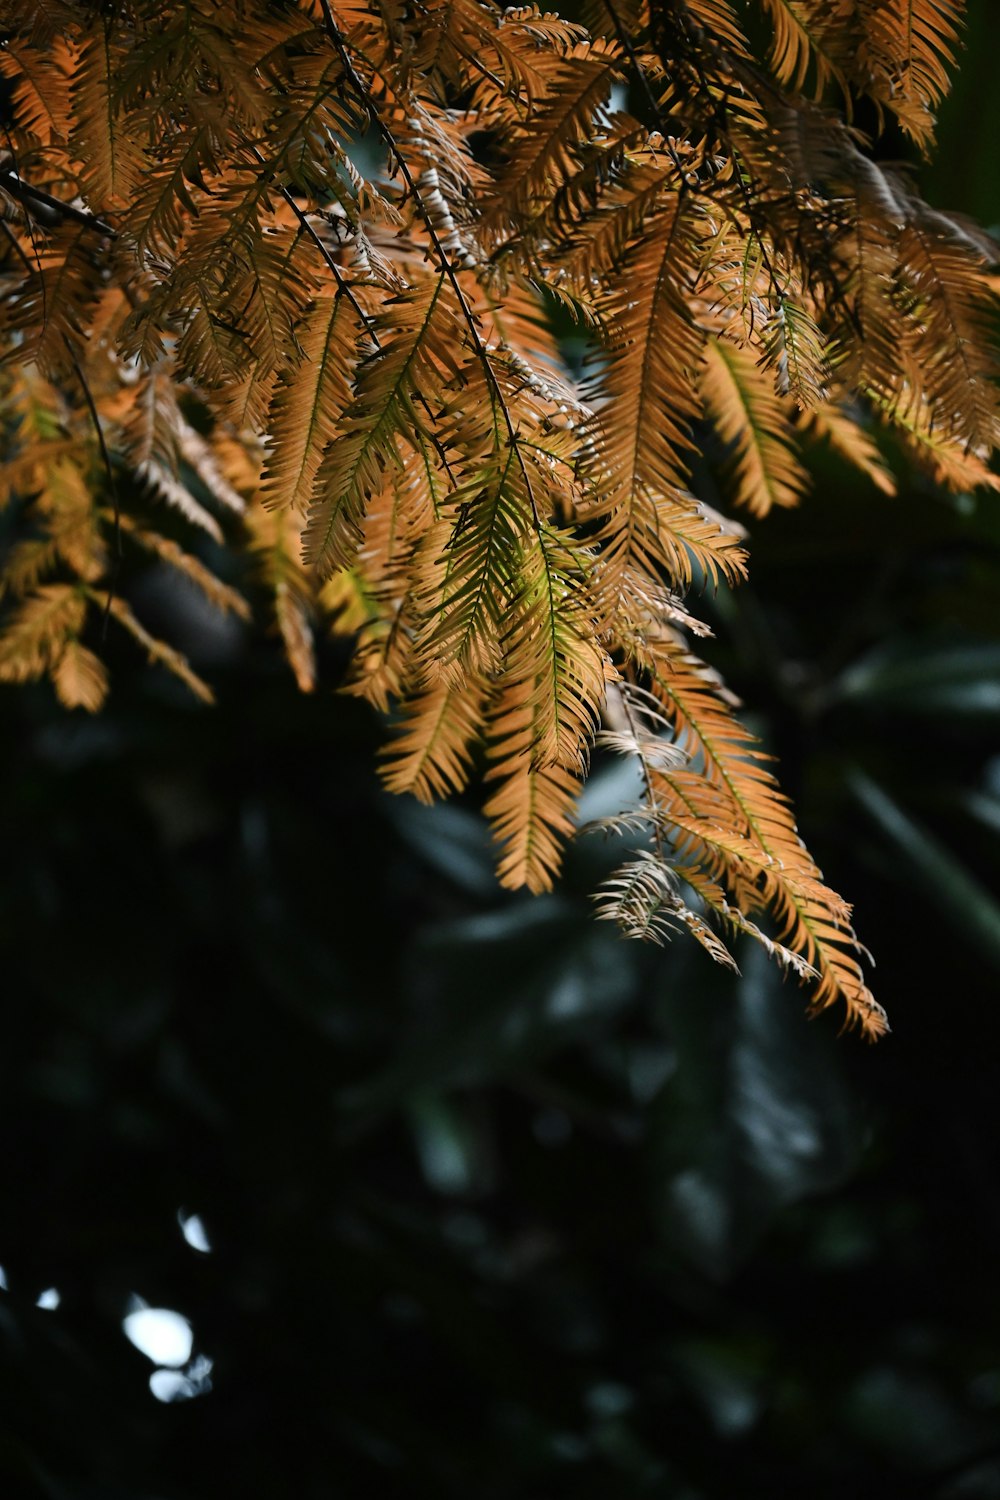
302 300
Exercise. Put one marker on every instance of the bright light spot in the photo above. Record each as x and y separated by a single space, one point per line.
618 98
50 1299
177 1385
193 1230
3 1279
171 1385
162 1335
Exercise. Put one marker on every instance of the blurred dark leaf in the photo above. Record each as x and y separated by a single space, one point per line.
927 865
500 991
943 684
453 840
754 1118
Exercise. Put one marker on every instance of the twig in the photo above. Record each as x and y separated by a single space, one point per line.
95 418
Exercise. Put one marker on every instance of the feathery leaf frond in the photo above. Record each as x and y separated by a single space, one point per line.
906 49
805 35
280 276
431 757
755 424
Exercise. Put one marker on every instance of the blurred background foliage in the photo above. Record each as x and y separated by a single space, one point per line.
459 1194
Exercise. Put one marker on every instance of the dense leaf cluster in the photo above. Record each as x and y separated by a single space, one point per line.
299 292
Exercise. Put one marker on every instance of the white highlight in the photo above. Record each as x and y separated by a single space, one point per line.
162 1335
177 1385
193 1230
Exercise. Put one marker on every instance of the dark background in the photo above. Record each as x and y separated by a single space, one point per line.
499 1205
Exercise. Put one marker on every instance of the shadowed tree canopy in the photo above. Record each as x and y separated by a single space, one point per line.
280 284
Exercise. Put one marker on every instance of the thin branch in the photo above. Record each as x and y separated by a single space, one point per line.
106 456
344 285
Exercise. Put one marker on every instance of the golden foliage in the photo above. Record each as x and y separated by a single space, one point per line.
806 36
905 50
732 823
755 424
279 275
80 678
431 755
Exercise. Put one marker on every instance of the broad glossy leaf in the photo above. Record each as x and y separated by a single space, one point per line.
755 1117
946 681
930 866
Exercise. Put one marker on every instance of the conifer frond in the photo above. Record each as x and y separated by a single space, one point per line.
543 157
152 419
787 959
556 219
56 300
40 79
382 629
469 587
648 606
293 615
600 240
276 547
795 350
516 318
159 481
550 645
461 36
531 815
159 652
644 399
34 639
200 456
848 438
28 562
111 161
163 203
906 50
632 820
272 295
736 791
953 316
715 20
64 509
623 16
38 20
952 463
313 310
755 425
432 753
651 748
643 897
310 401
685 537
225 599
80 678
531 811
804 36
245 403
412 362
399 519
